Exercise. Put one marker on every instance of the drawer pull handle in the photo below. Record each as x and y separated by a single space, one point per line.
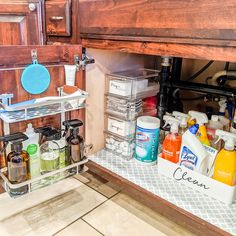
56 17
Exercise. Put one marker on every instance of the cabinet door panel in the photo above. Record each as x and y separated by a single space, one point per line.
58 17
13 60
176 21
21 23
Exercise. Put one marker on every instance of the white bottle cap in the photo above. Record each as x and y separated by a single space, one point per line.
214 118
229 144
29 129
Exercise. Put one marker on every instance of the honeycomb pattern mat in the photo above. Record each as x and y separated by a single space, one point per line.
147 177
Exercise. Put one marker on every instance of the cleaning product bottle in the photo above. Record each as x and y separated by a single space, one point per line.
32 147
69 124
76 142
225 121
225 163
211 128
17 162
201 119
193 155
49 151
183 118
172 142
40 131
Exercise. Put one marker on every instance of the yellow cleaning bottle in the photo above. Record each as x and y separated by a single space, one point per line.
225 164
201 119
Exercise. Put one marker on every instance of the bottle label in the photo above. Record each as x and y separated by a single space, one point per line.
34 161
146 144
188 159
17 172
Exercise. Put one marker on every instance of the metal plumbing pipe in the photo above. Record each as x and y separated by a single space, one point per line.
213 80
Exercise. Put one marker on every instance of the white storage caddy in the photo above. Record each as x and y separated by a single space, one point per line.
197 181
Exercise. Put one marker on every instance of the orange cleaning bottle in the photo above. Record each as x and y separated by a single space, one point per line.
172 142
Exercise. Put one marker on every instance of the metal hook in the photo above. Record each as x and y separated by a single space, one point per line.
34 56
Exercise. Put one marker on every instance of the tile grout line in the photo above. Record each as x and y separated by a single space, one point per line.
98 191
81 217
92 226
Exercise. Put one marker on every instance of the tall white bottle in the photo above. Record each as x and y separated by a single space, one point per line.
32 147
192 153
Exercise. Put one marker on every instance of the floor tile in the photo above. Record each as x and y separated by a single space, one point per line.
54 214
151 217
99 184
79 228
10 206
113 220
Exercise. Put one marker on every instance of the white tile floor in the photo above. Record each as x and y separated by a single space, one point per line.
89 207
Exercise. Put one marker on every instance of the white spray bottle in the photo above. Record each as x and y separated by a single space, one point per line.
201 119
223 120
183 118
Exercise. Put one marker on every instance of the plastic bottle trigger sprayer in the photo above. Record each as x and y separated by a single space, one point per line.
183 118
225 163
223 120
201 119
172 142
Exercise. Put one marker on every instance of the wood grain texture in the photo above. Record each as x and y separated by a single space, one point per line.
165 49
168 19
163 207
75 27
19 25
58 17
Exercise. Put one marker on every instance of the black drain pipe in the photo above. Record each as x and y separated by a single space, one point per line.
162 96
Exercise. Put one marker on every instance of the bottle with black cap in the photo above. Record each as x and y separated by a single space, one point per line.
76 142
17 162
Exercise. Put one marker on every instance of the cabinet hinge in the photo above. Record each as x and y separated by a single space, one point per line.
82 62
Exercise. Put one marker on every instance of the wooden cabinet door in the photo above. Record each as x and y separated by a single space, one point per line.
198 22
21 22
13 60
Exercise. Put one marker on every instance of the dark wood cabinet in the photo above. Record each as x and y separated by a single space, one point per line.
58 17
190 29
194 22
21 22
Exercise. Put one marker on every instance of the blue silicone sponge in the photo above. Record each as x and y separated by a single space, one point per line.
35 79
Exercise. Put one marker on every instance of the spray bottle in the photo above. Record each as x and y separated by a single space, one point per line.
172 142
76 142
17 161
201 119
225 163
223 120
183 118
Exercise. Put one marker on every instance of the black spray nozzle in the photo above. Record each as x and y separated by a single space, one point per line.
41 130
14 138
74 124
52 134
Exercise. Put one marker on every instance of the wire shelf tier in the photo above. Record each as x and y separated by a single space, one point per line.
43 180
41 109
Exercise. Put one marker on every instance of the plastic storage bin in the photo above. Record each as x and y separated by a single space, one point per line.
121 127
139 83
120 146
